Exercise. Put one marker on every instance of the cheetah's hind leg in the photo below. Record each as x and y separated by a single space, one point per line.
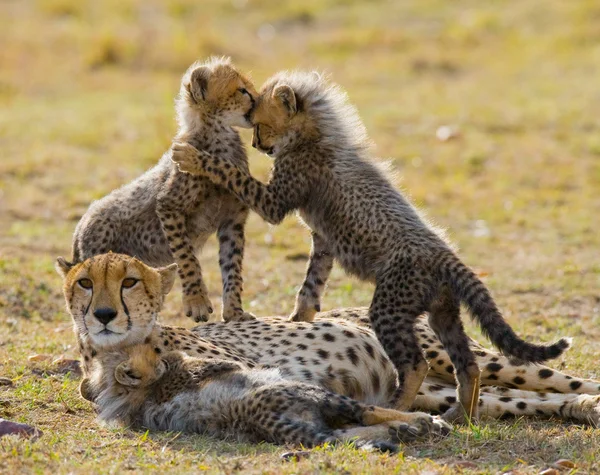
393 312
403 426
444 319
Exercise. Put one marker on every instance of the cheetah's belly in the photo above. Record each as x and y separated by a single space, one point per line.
353 260
208 215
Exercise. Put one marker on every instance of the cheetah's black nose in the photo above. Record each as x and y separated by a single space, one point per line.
105 314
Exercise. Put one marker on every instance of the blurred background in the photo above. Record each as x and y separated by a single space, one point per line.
488 110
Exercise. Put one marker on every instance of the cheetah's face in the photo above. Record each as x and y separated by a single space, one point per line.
113 298
142 369
218 89
279 120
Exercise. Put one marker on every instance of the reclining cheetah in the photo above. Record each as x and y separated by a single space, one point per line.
322 168
338 352
137 387
164 215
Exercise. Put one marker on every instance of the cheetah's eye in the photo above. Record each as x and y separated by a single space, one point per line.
85 283
129 282
244 91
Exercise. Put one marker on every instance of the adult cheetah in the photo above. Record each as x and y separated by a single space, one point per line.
338 352
164 215
137 387
323 169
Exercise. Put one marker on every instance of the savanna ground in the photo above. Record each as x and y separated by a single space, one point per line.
86 104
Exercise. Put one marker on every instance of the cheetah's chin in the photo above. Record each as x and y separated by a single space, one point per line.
106 337
107 332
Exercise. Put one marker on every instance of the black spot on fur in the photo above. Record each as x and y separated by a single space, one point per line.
494 367
575 385
545 373
352 356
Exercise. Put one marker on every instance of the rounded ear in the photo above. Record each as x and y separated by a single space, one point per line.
167 277
63 266
199 83
126 377
86 391
286 95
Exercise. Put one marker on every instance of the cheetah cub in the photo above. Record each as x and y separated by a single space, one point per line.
137 387
165 215
323 169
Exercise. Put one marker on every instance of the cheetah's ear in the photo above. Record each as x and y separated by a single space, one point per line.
127 377
286 95
199 83
63 266
167 277
86 391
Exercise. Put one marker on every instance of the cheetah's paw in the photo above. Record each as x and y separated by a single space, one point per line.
457 415
237 316
402 432
197 307
303 314
585 408
187 157
427 424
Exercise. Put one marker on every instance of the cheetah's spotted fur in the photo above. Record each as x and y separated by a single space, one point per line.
338 352
165 215
323 170
136 386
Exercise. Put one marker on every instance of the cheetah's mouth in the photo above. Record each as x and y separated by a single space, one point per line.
106 332
268 151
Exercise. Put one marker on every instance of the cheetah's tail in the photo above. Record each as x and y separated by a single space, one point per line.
467 287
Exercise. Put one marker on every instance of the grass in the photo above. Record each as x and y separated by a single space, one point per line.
86 104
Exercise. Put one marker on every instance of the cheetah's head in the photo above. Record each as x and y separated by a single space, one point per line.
215 88
296 108
114 299
142 367
121 380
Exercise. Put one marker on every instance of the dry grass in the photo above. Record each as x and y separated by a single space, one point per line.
86 104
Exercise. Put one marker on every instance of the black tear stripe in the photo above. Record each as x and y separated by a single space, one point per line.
126 310
87 309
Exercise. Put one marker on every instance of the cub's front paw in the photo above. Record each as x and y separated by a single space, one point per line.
187 157
197 307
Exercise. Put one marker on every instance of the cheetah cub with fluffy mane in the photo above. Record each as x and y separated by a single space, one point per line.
323 169
165 215
137 387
